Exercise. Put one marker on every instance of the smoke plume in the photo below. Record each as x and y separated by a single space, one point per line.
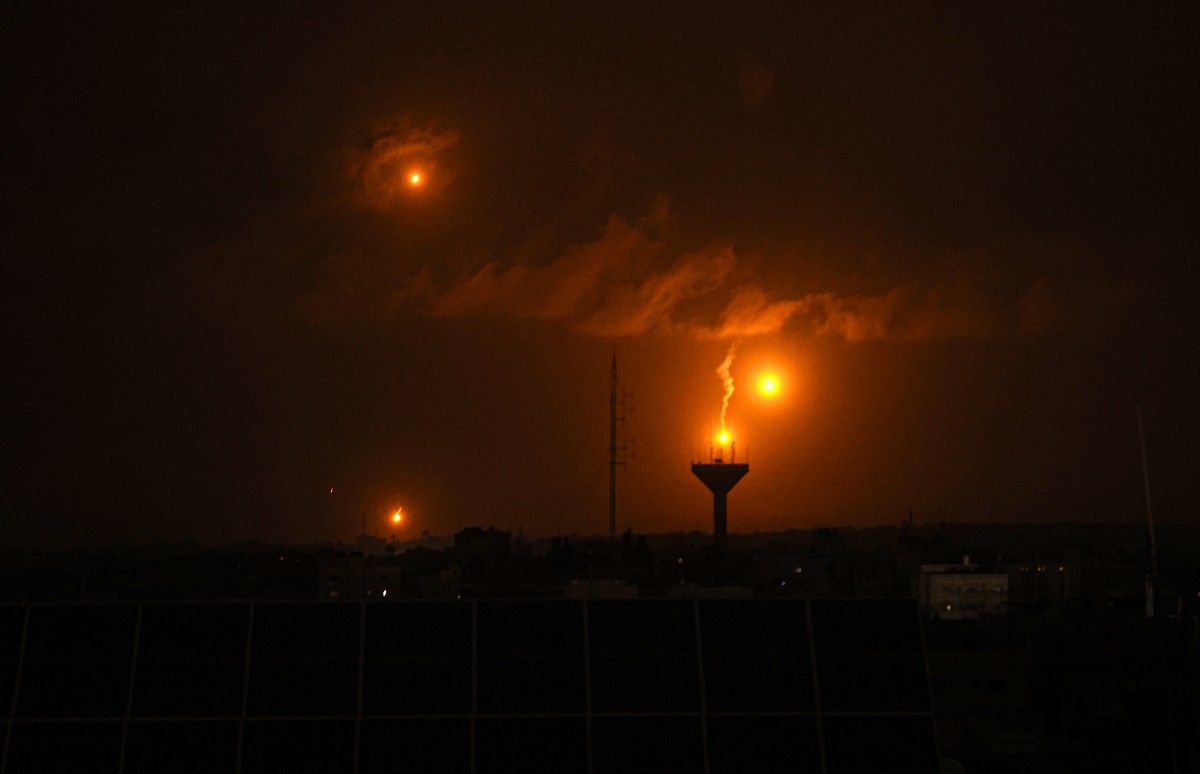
381 165
723 371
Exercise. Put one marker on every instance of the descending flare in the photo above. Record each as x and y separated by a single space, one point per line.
769 385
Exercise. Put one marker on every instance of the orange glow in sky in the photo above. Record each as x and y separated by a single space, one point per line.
397 517
414 178
769 385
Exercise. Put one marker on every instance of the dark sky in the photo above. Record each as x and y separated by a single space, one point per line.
962 236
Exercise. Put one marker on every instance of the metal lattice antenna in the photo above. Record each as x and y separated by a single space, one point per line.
1153 574
616 412
612 447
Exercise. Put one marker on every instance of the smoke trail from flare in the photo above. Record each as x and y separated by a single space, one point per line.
726 377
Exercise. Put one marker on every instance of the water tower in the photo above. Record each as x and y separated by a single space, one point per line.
720 476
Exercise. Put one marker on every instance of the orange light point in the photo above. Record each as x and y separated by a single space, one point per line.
769 386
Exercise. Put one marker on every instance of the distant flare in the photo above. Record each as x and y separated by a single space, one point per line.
395 165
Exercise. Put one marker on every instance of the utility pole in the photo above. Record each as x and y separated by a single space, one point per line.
617 454
1153 576
612 449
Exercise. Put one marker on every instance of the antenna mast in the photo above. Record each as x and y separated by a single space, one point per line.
617 455
612 448
1150 579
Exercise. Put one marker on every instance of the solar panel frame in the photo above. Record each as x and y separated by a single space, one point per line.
649 684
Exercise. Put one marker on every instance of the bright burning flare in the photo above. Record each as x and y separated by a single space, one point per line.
397 517
769 386
414 178
723 437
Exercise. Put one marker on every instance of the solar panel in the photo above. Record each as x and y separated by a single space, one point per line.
530 657
771 744
77 661
272 746
417 659
304 659
431 745
756 656
12 625
643 656
91 747
895 744
654 685
653 744
191 660
869 656
181 747
531 745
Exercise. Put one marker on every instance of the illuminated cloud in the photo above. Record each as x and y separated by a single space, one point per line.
563 289
602 288
951 311
611 288
383 167
607 287
629 310
625 283
751 313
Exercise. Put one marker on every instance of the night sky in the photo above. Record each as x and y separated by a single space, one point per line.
961 237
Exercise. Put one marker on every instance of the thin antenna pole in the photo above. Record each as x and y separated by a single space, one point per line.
612 448
1150 579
